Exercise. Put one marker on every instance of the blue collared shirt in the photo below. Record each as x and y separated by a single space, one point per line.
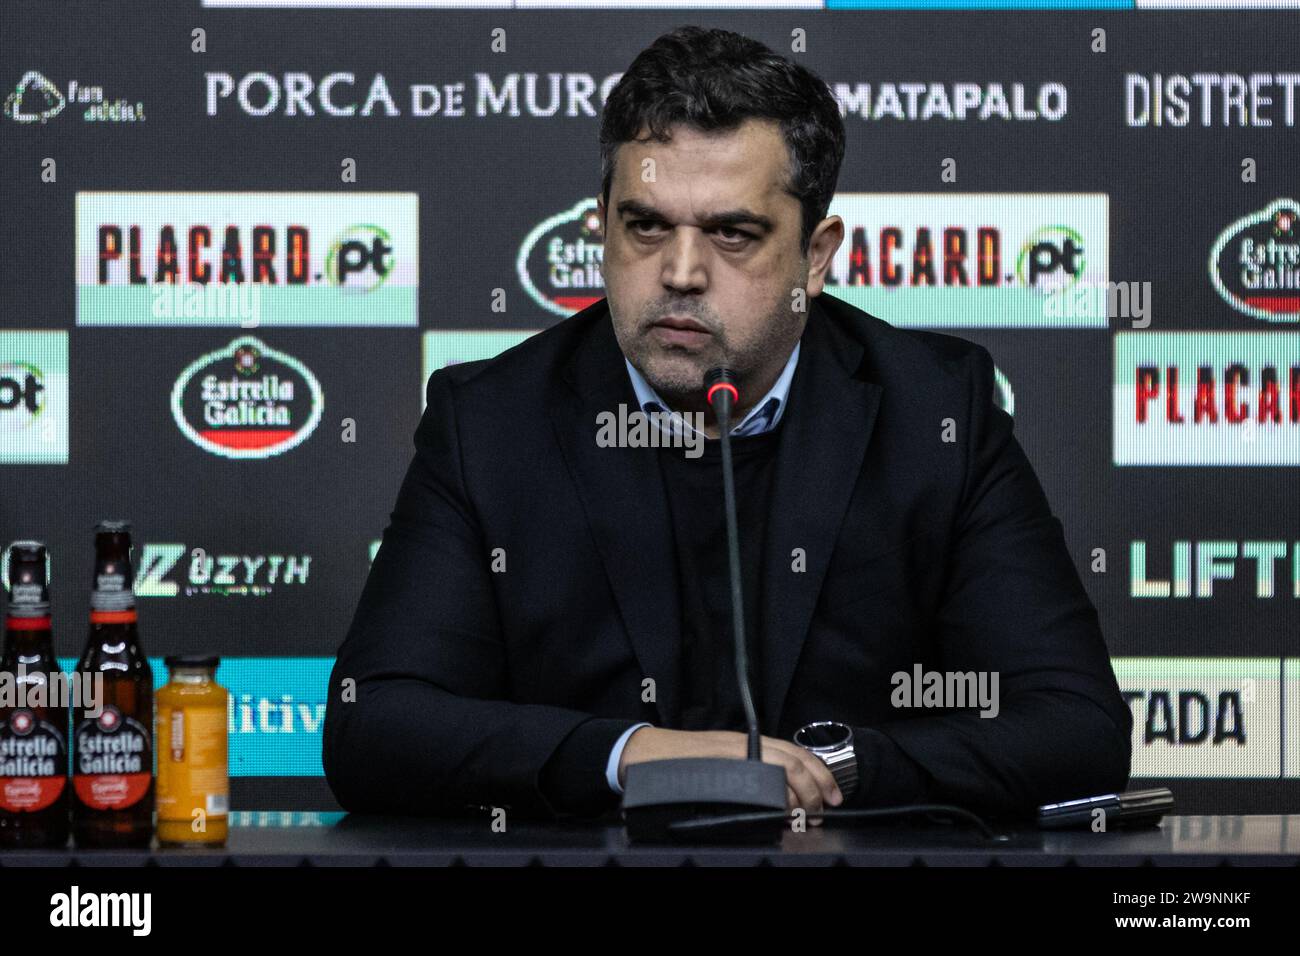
761 418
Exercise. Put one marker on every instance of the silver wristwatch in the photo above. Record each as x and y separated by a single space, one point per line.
832 741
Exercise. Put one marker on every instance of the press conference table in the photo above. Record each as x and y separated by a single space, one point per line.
272 838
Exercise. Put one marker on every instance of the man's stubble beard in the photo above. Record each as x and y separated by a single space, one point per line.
680 381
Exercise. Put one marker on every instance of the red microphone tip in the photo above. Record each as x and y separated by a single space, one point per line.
735 395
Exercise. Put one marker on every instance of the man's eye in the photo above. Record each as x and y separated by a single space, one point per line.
737 235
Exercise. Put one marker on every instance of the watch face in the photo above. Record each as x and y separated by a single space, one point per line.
824 735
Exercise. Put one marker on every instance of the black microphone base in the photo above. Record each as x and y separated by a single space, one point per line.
661 792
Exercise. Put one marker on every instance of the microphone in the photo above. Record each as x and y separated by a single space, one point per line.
662 795
722 394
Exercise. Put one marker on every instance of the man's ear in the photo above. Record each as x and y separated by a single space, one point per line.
825 240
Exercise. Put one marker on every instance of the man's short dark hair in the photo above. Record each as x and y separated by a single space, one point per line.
713 80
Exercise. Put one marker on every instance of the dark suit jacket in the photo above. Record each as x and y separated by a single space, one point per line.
474 687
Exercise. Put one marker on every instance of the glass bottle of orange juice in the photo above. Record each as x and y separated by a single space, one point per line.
193 792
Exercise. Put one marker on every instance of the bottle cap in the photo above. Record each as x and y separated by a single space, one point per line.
192 660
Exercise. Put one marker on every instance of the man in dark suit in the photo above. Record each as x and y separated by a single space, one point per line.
546 611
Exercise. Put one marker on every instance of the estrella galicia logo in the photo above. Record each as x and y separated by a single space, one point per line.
22 723
559 261
1255 263
110 721
247 400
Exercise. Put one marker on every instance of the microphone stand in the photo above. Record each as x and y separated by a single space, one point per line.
661 795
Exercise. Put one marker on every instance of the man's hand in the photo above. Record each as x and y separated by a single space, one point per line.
808 781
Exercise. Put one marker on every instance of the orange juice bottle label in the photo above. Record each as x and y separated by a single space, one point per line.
193 773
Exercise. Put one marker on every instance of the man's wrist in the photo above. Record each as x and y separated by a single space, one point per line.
573 778
612 775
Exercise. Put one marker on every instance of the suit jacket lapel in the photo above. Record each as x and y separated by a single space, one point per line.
623 494
826 429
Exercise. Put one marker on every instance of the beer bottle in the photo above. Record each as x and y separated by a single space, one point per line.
112 745
33 711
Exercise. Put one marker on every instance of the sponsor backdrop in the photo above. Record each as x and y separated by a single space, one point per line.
228 265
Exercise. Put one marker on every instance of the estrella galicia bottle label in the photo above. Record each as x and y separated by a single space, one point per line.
33 762
114 760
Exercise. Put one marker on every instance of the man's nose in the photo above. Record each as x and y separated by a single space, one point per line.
685 262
